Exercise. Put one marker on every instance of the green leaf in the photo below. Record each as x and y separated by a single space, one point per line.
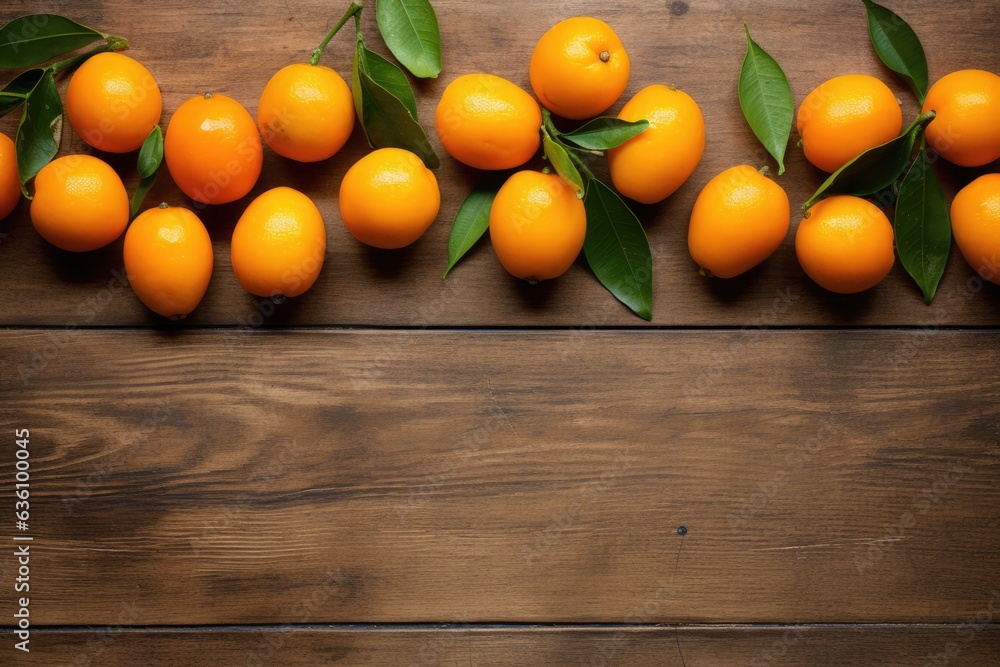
922 226
766 100
875 169
151 153
563 164
141 190
356 66
898 47
617 249
14 93
31 40
150 158
385 119
605 133
410 30
40 130
471 222
390 77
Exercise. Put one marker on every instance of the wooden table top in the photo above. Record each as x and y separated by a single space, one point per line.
398 470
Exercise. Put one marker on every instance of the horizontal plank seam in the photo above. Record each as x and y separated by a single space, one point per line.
583 328
409 627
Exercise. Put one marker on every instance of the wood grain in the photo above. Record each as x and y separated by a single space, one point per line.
233 47
217 477
793 646
842 482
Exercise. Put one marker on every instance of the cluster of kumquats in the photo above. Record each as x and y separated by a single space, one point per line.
537 220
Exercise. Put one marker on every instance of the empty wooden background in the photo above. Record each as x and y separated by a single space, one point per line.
399 470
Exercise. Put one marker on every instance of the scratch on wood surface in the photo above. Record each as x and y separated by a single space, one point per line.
489 388
677 636
677 561
843 543
292 17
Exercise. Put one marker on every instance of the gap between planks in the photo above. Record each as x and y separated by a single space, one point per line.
478 626
582 328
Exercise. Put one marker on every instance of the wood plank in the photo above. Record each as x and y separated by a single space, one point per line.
233 47
972 645
220 477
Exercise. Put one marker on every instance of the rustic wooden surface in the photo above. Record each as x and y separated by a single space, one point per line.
218 477
789 646
223 496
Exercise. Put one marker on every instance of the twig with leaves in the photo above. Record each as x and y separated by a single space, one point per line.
29 41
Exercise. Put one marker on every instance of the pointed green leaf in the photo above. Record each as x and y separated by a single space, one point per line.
385 119
410 30
605 133
898 47
14 93
471 222
151 153
922 226
766 100
561 162
617 249
356 91
875 169
141 190
40 130
390 77
150 158
31 40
